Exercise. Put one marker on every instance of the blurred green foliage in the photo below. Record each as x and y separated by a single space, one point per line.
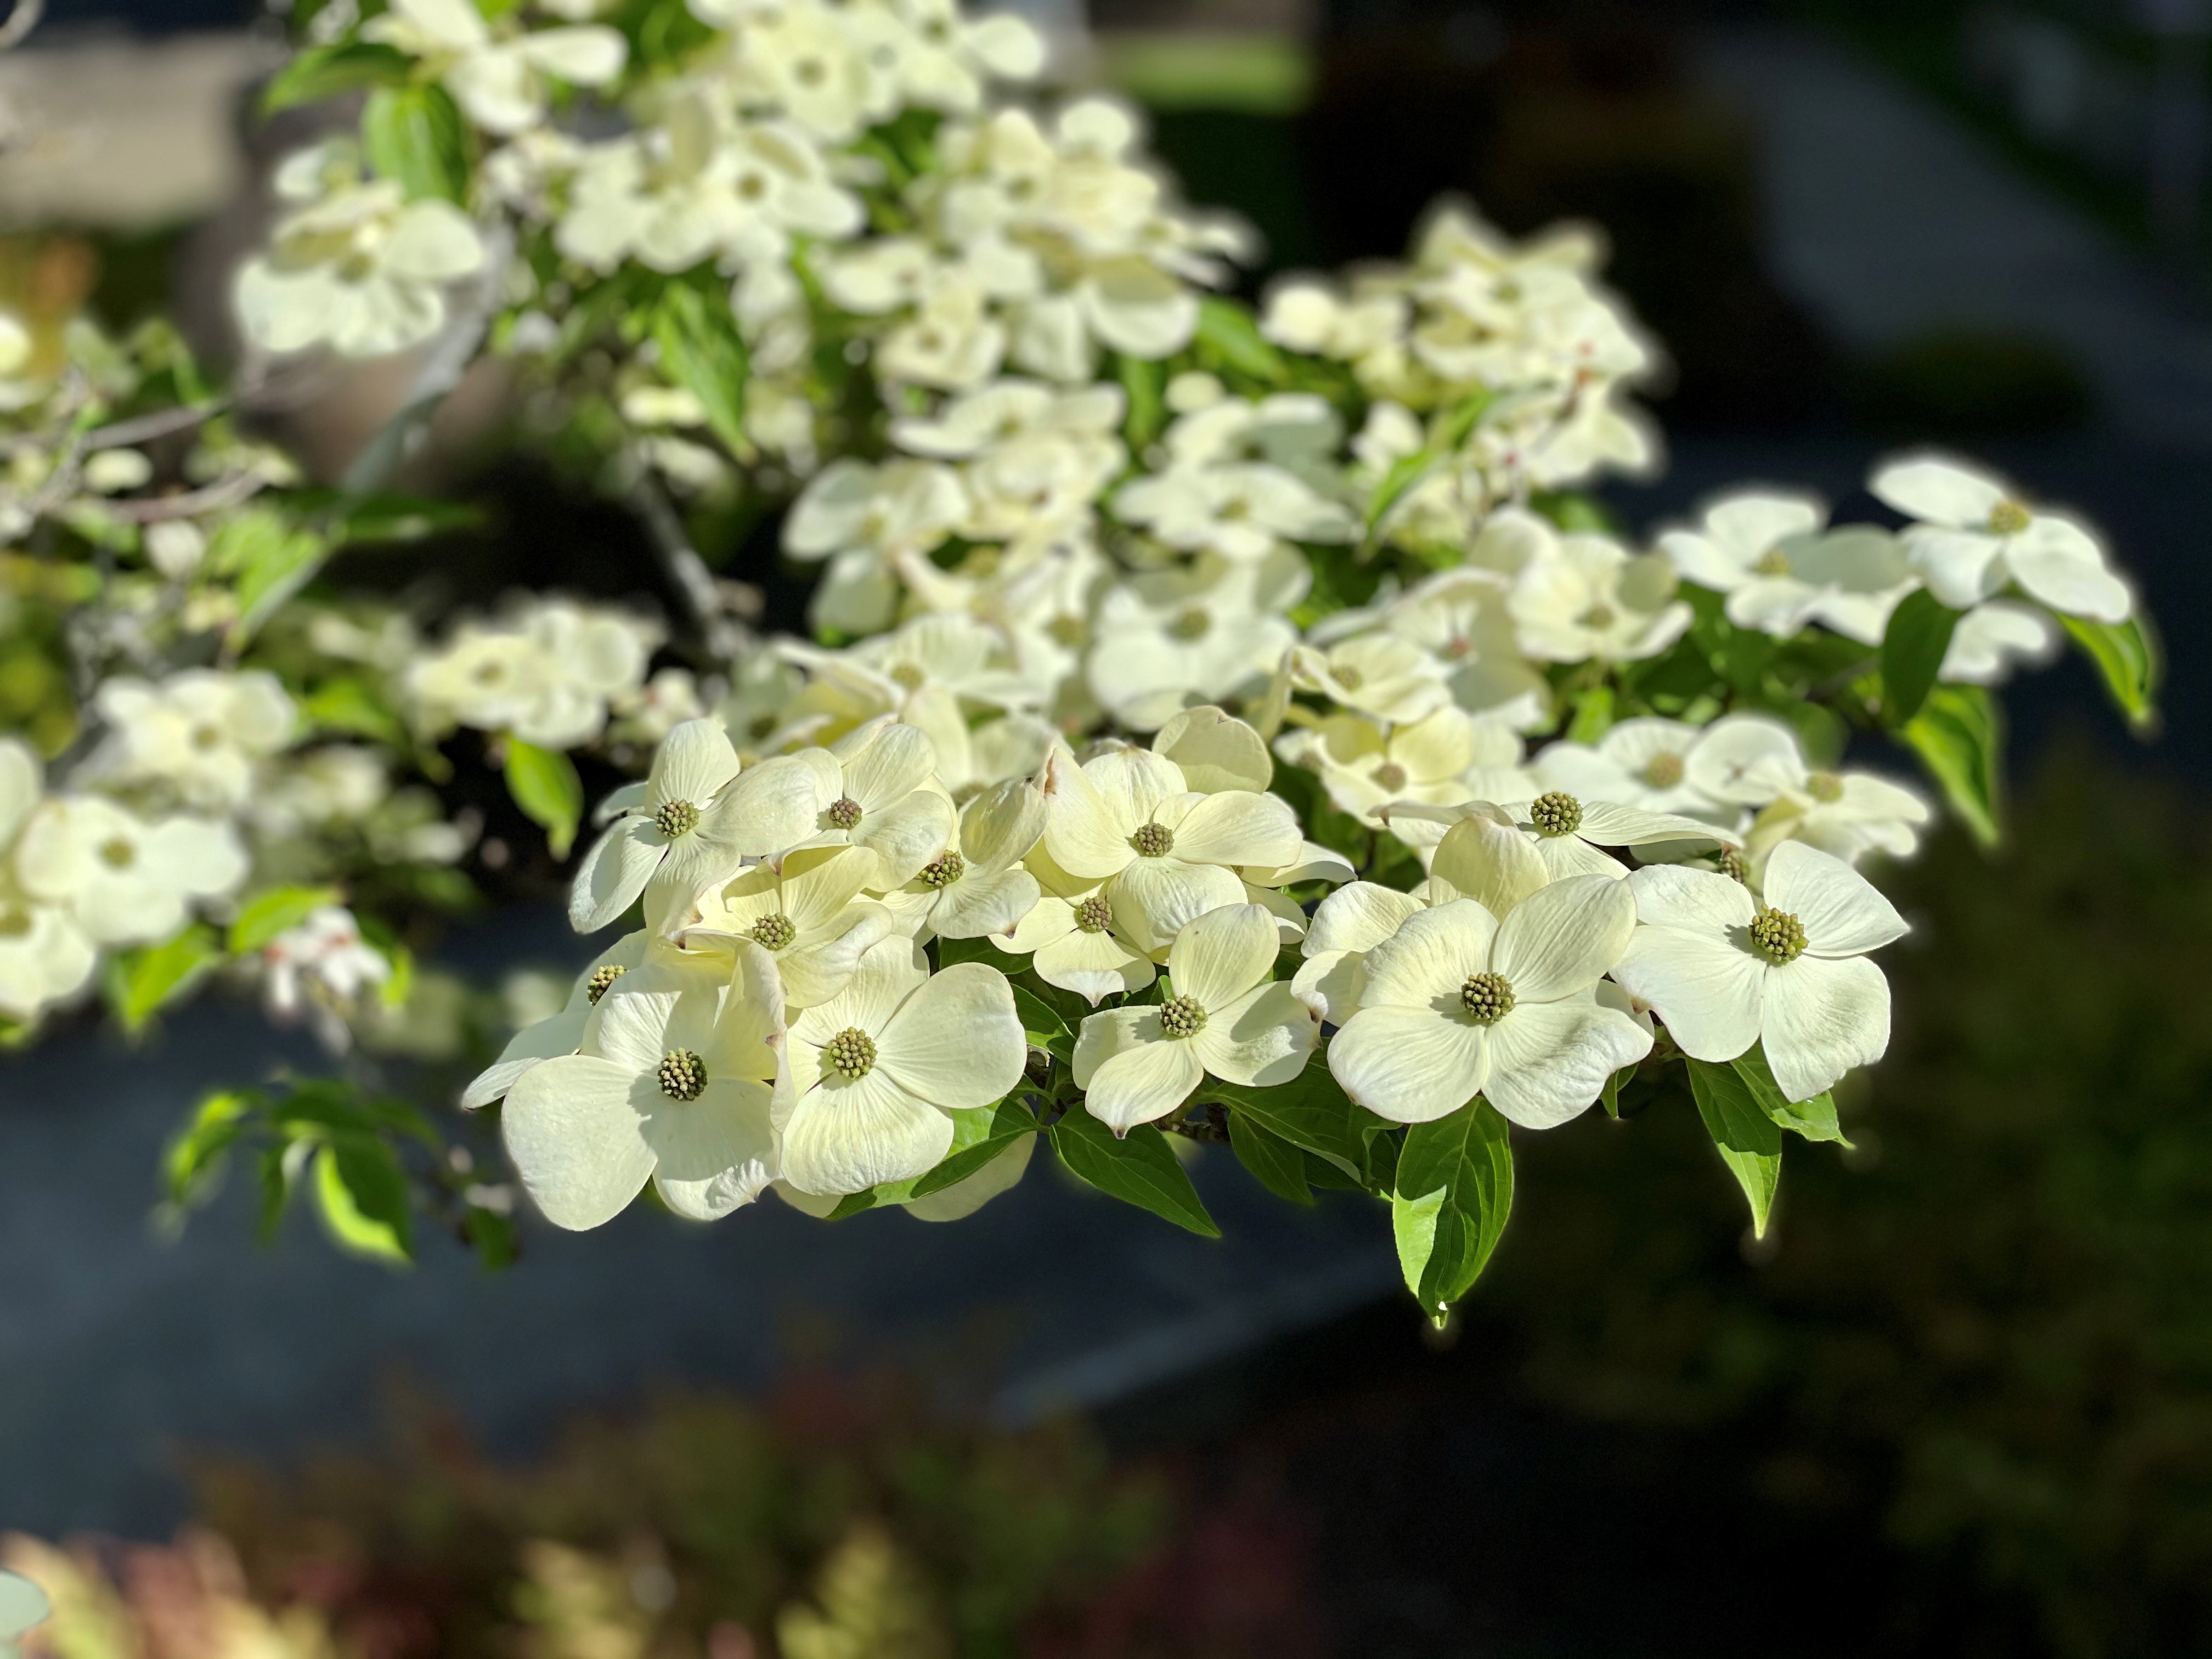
1990 1323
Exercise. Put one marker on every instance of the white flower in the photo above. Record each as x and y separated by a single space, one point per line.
805 908
1725 971
674 1083
362 269
1449 757
320 968
500 85
1568 831
1071 938
201 734
1644 762
1586 598
876 788
944 57
1975 536
691 822
1755 761
1993 638
860 517
875 1071
806 60
1458 1004
1768 555
1461 618
44 956
976 885
545 675
560 1033
1229 1017
1384 674
1243 511
125 880
1166 853
1169 639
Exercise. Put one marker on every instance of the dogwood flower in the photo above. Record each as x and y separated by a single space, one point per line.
321 969
125 880
1568 831
860 517
1206 633
695 817
805 909
1755 761
1780 570
562 1033
1726 971
199 735
1229 1017
875 1071
44 956
1242 512
876 788
1993 638
1166 853
1382 675
1448 758
1071 938
1643 762
501 85
674 1083
1457 1004
1975 536
976 885
1587 600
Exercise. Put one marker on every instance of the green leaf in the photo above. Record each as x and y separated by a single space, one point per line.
1274 1163
1139 1169
414 134
545 785
1611 1096
273 1173
349 706
1228 337
141 983
492 1236
273 911
1042 1025
1749 1141
702 352
1144 385
1593 715
1814 1119
320 72
979 1137
1960 740
2127 656
198 1150
1311 1111
269 560
1572 511
385 518
1405 473
1454 1191
1912 650
362 1193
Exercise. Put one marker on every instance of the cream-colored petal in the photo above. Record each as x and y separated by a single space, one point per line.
1215 751
1264 1037
1153 899
1565 937
1410 1065
985 903
841 1137
1086 832
897 761
887 973
613 873
1092 965
716 1153
819 969
957 1041
1495 864
1844 914
1707 989
1822 1017
575 1135
1142 1082
906 836
1424 964
1549 1061
1001 826
1358 917
1223 954
1239 828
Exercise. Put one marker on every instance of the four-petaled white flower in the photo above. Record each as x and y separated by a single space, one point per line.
1780 570
976 885
126 880
1457 1004
1975 536
1228 1017
561 1033
875 1071
1725 969
1643 763
1755 761
501 85
805 908
1587 600
1071 938
876 787
674 1083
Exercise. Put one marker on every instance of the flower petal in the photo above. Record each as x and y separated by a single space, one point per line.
887 973
1938 490
695 759
1086 833
577 1139
1564 938
1153 899
906 834
613 873
1092 965
764 809
897 761
1842 913
1411 1065
715 1152
1215 751
1494 864
1236 827
1223 954
957 1041
1425 961
1549 1061
542 1041
1358 917
1146 1080
964 1197
1823 1016
845 1137
986 903
821 970
1330 983
1703 986
1264 1037
1673 895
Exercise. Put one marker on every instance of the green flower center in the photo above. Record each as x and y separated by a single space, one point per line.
1598 619
1824 786
850 1053
1389 776
1093 914
1778 936
601 980
844 813
1191 624
1069 631
944 870
1663 771
2008 519
1349 677
1183 1017
1153 841
1488 998
774 932
683 1075
1734 865
1773 562
1557 813
908 674
16 923
118 853
677 818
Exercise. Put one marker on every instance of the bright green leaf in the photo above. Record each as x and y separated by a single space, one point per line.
1912 650
1454 1192
273 911
362 1193
2127 656
1593 715
1139 1169
1961 739
979 1137
702 351
319 72
141 983
545 785
1144 385
1042 1025
1749 1141
349 706
197 1153
1228 337
414 134
1311 1111
1814 1119
1274 1163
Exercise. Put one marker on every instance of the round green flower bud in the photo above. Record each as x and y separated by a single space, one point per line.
1092 915
601 979
944 870
850 1053
844 813
1153 841
683 1075
1556 814
677 818
1488 998
774 932
1778 936
1183 1017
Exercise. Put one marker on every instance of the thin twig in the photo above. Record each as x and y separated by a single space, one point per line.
226 492
724 637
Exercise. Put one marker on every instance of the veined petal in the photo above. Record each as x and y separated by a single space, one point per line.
1142 1082
1673 895
1239 827
818 971
542 1041
715 1152
1051 918
1263 1037
1002 826
841 1137
1611 825
1223 954
1424 964
1086 832
1705 987
991 902
1823 1016
1494 864
897 762
613 873
764 809
1844 914
887 973
1092 965
906 834
816 884
696 758
1564 938
1330 983
1215 751
957 1041
1410 1065
1566 857
1153 899
576 1138
1550 1059
1358 917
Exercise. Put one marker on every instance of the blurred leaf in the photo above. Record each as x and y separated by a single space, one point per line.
2128 658
349 706
1144 385
1274 1163
197 1153
1960 740
274 911
362 1193
269 560
1575 513
545 785
1912 651
385 516
414 134
1814 1119
979 1137
492 1236
141 983
1454 1192
1749 1141
1139 1169
319 72
1228 337
1593 715
702 352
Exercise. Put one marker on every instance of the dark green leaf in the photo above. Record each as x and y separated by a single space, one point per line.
389 518
1749 1141
1454 1192
993 1128
362 1193
1912 650
1228 337
1814 1119
1611 1096
1960 740
1274 1163
2127 656
1042 1024
319 72
414 134
1311 1111
545 785
1405 473
702 351
273 1174
141 983
492 1236
274 910
1138 1170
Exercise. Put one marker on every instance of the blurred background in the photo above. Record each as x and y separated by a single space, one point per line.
1958 1401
